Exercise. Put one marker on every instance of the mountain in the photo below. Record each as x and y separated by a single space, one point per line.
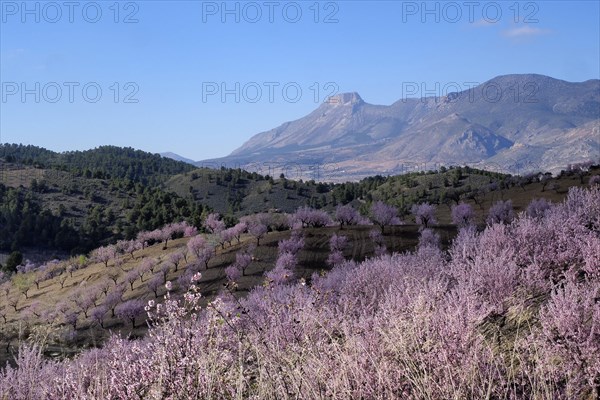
511 123
177 157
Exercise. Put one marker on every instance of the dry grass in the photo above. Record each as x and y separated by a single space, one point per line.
311 259
519 197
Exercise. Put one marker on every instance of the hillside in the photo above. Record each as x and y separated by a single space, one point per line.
238 193
51 208
69 203
470 297
55 288
75 304
66 287
105 162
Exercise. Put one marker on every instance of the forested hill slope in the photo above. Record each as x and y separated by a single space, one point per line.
102 162
76 201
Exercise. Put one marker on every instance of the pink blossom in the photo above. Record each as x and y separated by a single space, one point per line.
196 244
213 223
196 277
501 212
383 214
233 273
537 208
258 231
463 215
346 215
424 214
310 217
292 245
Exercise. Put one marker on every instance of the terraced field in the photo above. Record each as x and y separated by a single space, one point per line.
20 320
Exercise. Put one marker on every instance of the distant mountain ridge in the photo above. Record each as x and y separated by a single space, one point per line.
177 157
511 123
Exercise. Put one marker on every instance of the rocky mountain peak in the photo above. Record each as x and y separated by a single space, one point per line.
548 116
344 99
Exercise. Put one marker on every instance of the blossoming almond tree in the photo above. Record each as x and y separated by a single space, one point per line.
104 254
214 224
308 217
424 214
258 230
501 212
155 283
130 310
463 215
243 259
196 244
346 215
383 214
508 312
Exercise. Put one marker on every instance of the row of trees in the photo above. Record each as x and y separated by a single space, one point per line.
105 298
154 273
380 213
423 324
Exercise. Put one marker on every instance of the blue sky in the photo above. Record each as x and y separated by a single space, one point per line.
199 78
